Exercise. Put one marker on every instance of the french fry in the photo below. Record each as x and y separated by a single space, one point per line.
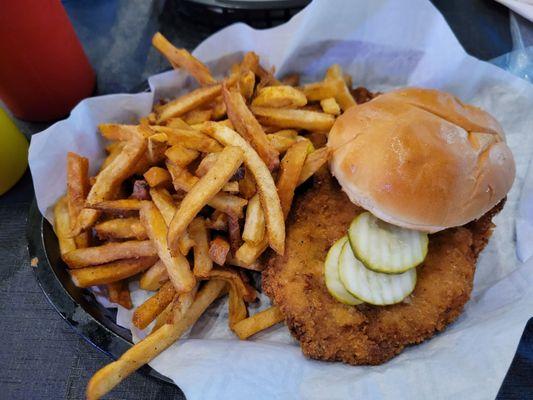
119 132
234 279
234 233
154 276
279 142
266 77
178 268
247 184
237 310
188 102
248 127
181 58
330 106
218 250
164 202
180 155
143 352
116 206
249 252
197 116
190 139
205 165
199 234
113 150
343 95
228 161
317 91
231 187
178 123
185 243
218 221
279 97
254 225
110 272
119 293
299 119
250 62
77 187
265 184
108 180
106 253
181 304
312 164
247 84
257 322
153 306
157 176
255 266
62 227
120 228
140 190
291 167
164 316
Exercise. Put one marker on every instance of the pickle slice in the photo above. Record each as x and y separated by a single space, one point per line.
373 287
331 273
384 247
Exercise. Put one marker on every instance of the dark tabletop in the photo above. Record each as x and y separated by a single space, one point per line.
40 355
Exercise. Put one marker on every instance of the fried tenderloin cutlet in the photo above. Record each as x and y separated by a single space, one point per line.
365 334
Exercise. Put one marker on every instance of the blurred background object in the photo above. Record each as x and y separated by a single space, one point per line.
13 153
44 71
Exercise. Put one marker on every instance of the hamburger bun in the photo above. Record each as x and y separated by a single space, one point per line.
421 159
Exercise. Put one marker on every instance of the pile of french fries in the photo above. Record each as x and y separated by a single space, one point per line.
188 200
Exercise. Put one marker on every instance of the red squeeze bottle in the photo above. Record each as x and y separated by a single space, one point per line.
44 72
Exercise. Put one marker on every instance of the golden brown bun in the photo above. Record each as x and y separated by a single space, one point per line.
421 159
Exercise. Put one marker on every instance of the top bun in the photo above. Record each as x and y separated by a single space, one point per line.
421 159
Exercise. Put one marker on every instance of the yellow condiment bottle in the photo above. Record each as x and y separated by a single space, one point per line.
13 153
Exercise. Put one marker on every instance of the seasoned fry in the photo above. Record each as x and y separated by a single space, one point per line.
180 155
291 79
202 261
108 179
265 184
248 127
266 77
254 226
330 106
151 308
343 95
178 268
62 227
154 276
110 272
149 348
181 58
163 201
204 190
313 162
164 316
218 250
119 293
190 139
291 167
257 322
157 176
299 119
181 304
279 97
77 185
112 251
117 206
247 84
121 228
188 102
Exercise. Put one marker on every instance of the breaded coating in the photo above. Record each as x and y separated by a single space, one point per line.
365 334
